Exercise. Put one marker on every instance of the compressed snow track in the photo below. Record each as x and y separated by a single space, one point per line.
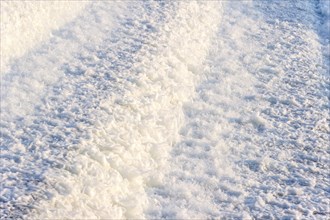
87 119
171 109
255 144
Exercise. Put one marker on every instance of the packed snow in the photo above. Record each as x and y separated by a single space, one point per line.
165 109
256 139
105 122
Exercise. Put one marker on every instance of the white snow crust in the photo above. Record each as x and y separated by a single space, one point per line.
165 110
255 144
100 132
24 24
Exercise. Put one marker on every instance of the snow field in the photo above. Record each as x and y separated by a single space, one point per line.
180 109
32 76
99 133
24 24
255 143
29 94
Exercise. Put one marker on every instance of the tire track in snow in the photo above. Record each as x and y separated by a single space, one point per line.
255 142
46 138
101 133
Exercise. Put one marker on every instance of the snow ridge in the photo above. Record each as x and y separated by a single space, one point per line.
99 136
255 142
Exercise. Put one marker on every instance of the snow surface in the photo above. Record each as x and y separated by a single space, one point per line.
177 110
324 10
100 132
255 144
24 24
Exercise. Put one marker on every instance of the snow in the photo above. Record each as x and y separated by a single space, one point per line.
255 143
24 24
324 9
98 133
154 109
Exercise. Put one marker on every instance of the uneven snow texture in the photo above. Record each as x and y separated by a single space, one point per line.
24 24
324 10
168 109
255 144
96 128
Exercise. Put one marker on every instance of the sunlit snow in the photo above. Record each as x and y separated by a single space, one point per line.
165 109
